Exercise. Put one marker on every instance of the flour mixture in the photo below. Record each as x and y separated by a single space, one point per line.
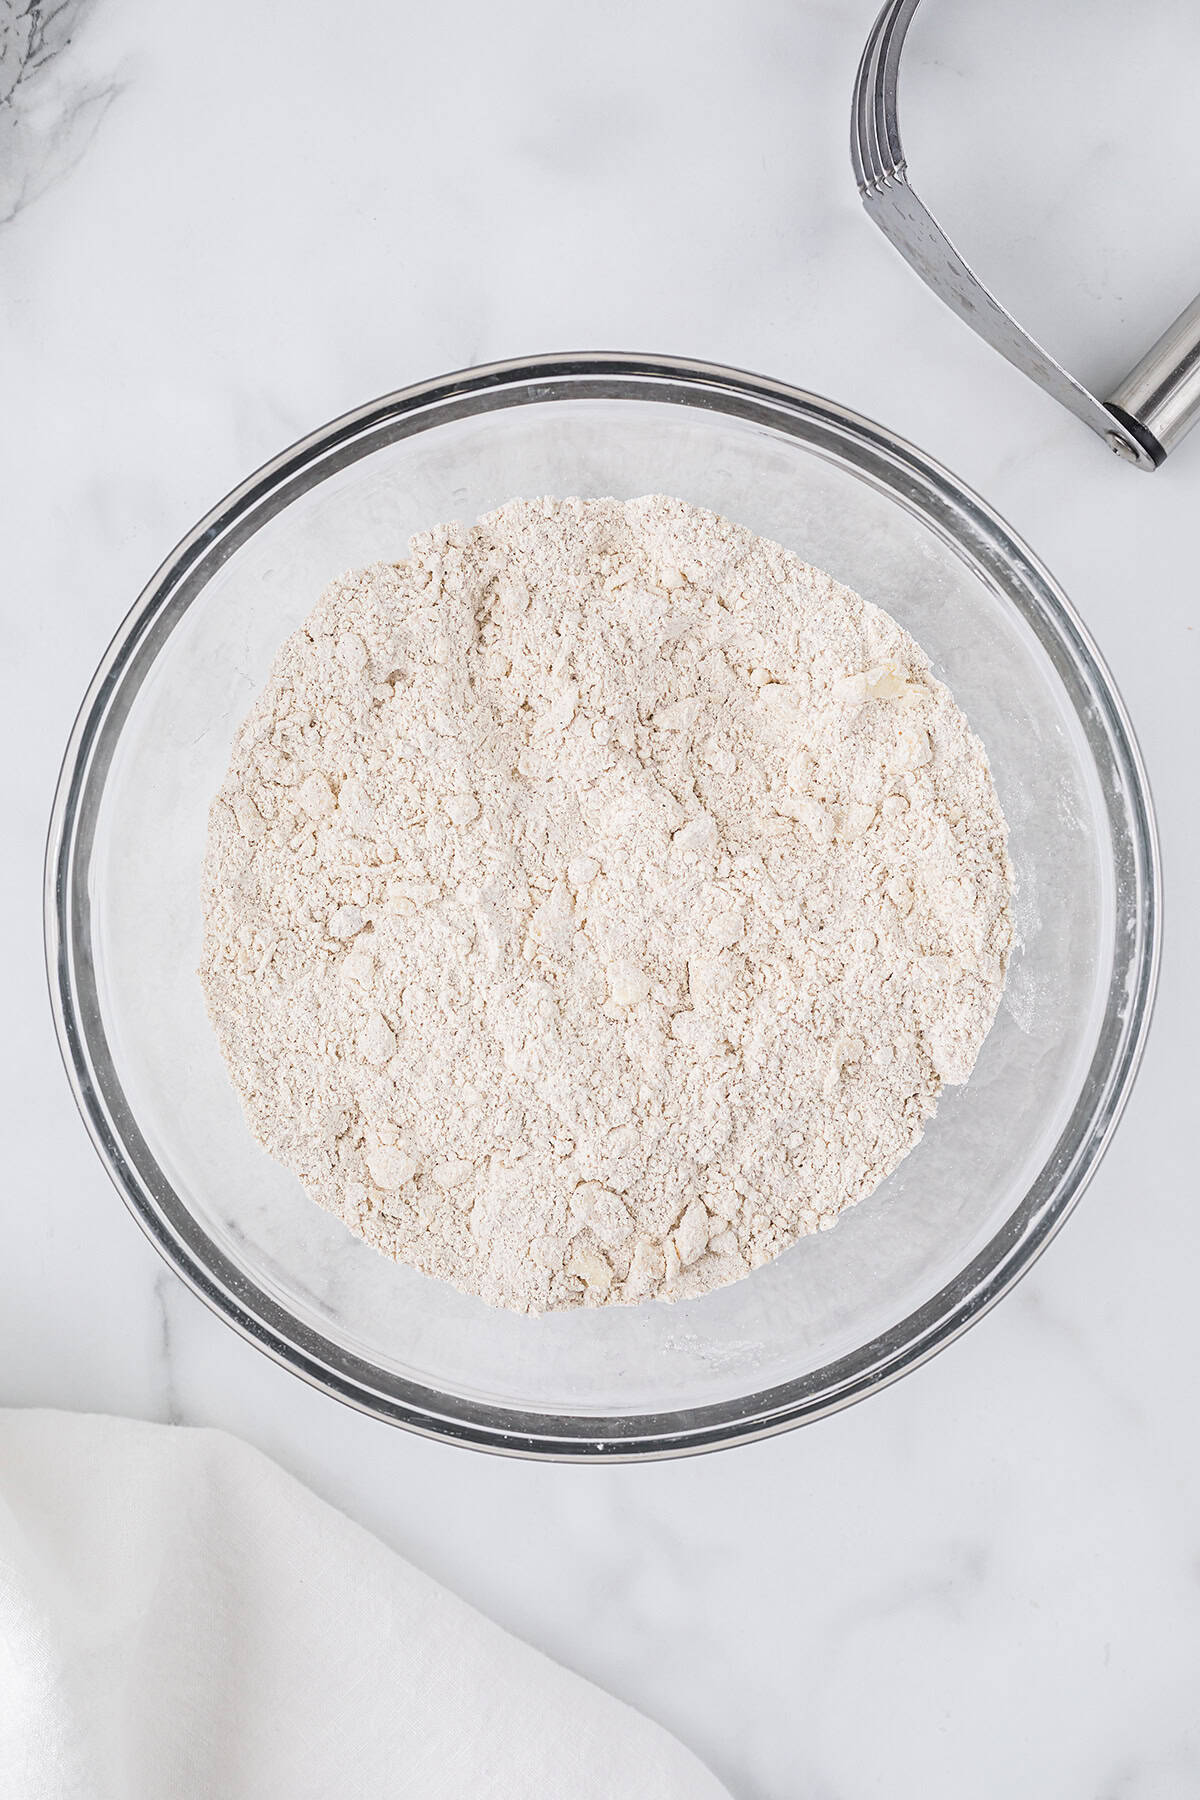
598 900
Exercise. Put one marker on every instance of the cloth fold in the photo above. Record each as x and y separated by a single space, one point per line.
180 1618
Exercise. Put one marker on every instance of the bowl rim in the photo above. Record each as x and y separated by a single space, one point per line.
977 534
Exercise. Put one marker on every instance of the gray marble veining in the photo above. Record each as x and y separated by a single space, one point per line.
49 109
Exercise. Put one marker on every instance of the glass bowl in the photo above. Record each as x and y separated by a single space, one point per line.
842 1312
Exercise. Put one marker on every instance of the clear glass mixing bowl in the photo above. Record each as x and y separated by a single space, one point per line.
841 1313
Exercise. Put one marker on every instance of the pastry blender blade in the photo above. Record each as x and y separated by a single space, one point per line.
1155 405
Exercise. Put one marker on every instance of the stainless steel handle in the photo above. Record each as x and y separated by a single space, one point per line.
1161 396
1157 403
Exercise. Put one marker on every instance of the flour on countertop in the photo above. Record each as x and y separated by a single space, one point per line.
598 900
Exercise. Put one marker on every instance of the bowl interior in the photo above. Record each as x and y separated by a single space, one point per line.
199 662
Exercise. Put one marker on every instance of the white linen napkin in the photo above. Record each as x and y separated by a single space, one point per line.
179 1619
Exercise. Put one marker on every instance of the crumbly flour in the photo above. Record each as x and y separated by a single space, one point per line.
598 900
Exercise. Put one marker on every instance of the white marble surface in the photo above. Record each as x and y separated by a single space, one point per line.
227 224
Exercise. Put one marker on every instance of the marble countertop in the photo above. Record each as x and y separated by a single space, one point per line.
223 225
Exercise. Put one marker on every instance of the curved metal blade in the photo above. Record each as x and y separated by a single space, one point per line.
889 197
